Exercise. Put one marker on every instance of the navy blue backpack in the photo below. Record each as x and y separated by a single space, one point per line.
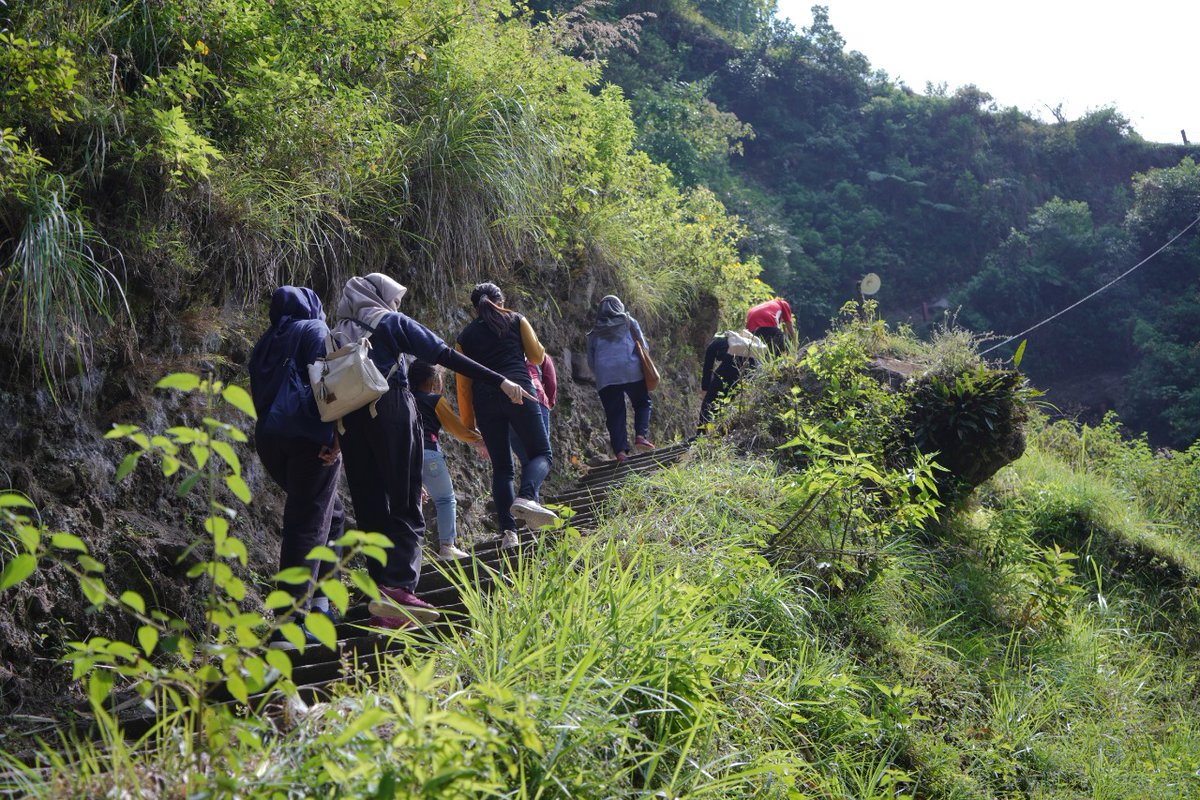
293 412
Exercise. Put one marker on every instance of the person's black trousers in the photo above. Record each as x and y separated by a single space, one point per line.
613 400
496 416
313 514
383 462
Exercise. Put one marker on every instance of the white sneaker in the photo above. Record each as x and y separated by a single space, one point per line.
448 552
509 540
534 514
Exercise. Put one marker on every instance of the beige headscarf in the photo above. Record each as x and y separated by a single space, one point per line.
366 300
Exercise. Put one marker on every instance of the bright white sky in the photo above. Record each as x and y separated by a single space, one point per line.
1142 58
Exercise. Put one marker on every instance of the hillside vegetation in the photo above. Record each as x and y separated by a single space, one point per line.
838 170
858 584
797 620
165 165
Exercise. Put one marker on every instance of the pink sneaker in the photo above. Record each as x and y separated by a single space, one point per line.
621 457
390 623
403 604
642 444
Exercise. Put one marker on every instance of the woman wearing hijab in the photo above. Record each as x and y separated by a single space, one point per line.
503 339
305 465
382 450
618 370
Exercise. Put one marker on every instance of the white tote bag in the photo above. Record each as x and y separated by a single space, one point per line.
346 380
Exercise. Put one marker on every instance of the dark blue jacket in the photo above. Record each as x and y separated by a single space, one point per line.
297 329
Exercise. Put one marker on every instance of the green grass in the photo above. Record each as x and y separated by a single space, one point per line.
665 655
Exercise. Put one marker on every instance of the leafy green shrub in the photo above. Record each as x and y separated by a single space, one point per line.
37 81
173 667
1163 482
973 421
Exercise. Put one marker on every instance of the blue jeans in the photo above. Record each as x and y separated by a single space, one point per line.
613 400
494 416
528 489
435 477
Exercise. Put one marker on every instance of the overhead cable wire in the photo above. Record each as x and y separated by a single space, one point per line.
1111 283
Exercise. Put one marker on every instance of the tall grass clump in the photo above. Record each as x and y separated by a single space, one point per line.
483 171
57 295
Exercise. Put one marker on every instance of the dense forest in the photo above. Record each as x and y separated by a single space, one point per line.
891 568
958 204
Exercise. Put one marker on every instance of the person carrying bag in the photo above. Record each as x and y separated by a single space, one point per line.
298 449
620 360
383 440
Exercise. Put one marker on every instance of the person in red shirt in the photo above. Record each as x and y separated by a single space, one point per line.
765 321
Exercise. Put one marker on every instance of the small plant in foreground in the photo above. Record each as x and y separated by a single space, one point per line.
173 667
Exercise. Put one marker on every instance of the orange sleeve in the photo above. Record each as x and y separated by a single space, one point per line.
529 340
466 403
453 424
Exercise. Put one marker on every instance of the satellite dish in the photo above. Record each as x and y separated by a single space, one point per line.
869 285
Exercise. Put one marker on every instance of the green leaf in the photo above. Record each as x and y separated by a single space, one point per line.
30 536
127 465
67 541
14 500
199 455
121 431
187 484
279 599
164 444
322 627
433 786
89 564
1019 354
337 593
377 553
365 583
235 548
216 525
293 575
17 570
366 720
236 589
147 638
237 688
280 661
99 686
226 451
185 435
294 634
183 381
239 398
238 487
257 669
246 637
321 553
93 590
134 601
